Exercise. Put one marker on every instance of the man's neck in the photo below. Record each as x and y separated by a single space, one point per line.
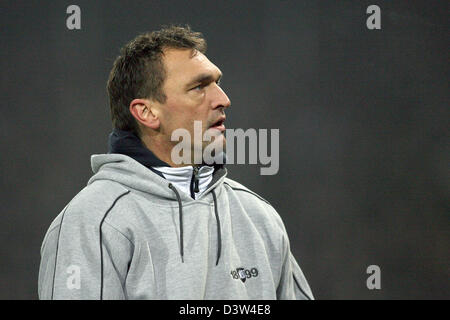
161 148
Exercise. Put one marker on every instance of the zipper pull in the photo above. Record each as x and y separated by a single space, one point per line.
196 180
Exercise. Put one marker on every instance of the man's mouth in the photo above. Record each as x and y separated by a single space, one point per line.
219 124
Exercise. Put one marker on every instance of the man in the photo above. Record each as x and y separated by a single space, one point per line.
147 227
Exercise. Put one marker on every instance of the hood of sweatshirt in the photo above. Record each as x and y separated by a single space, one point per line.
132 174
130 163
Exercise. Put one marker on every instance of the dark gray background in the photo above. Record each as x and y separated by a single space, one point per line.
363 118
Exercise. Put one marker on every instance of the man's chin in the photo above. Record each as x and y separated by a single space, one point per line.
213 152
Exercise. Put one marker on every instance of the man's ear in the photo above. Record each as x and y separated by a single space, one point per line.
144 112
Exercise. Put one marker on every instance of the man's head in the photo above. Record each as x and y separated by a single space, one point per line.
162 81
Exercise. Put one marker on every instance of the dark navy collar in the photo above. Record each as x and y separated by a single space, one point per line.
127 143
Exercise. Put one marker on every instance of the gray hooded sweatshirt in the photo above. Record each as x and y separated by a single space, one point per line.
130 234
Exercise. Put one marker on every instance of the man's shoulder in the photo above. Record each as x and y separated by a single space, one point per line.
87 210
243 191
256 207
91 204
98 197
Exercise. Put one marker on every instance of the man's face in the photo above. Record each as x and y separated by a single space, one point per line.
193 94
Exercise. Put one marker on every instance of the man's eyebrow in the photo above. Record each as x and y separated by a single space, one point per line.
204 77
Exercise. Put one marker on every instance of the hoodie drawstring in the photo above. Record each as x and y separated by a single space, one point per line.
180 208
219 234
216 211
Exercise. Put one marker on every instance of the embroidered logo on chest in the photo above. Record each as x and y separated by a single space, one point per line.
244 274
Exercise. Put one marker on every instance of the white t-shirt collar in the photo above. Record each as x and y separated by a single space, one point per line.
181 177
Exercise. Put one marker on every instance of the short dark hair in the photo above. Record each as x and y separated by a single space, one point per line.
138 72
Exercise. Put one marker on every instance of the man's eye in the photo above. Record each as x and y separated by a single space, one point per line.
199 87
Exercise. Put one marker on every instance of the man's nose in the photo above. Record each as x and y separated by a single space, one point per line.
220 99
